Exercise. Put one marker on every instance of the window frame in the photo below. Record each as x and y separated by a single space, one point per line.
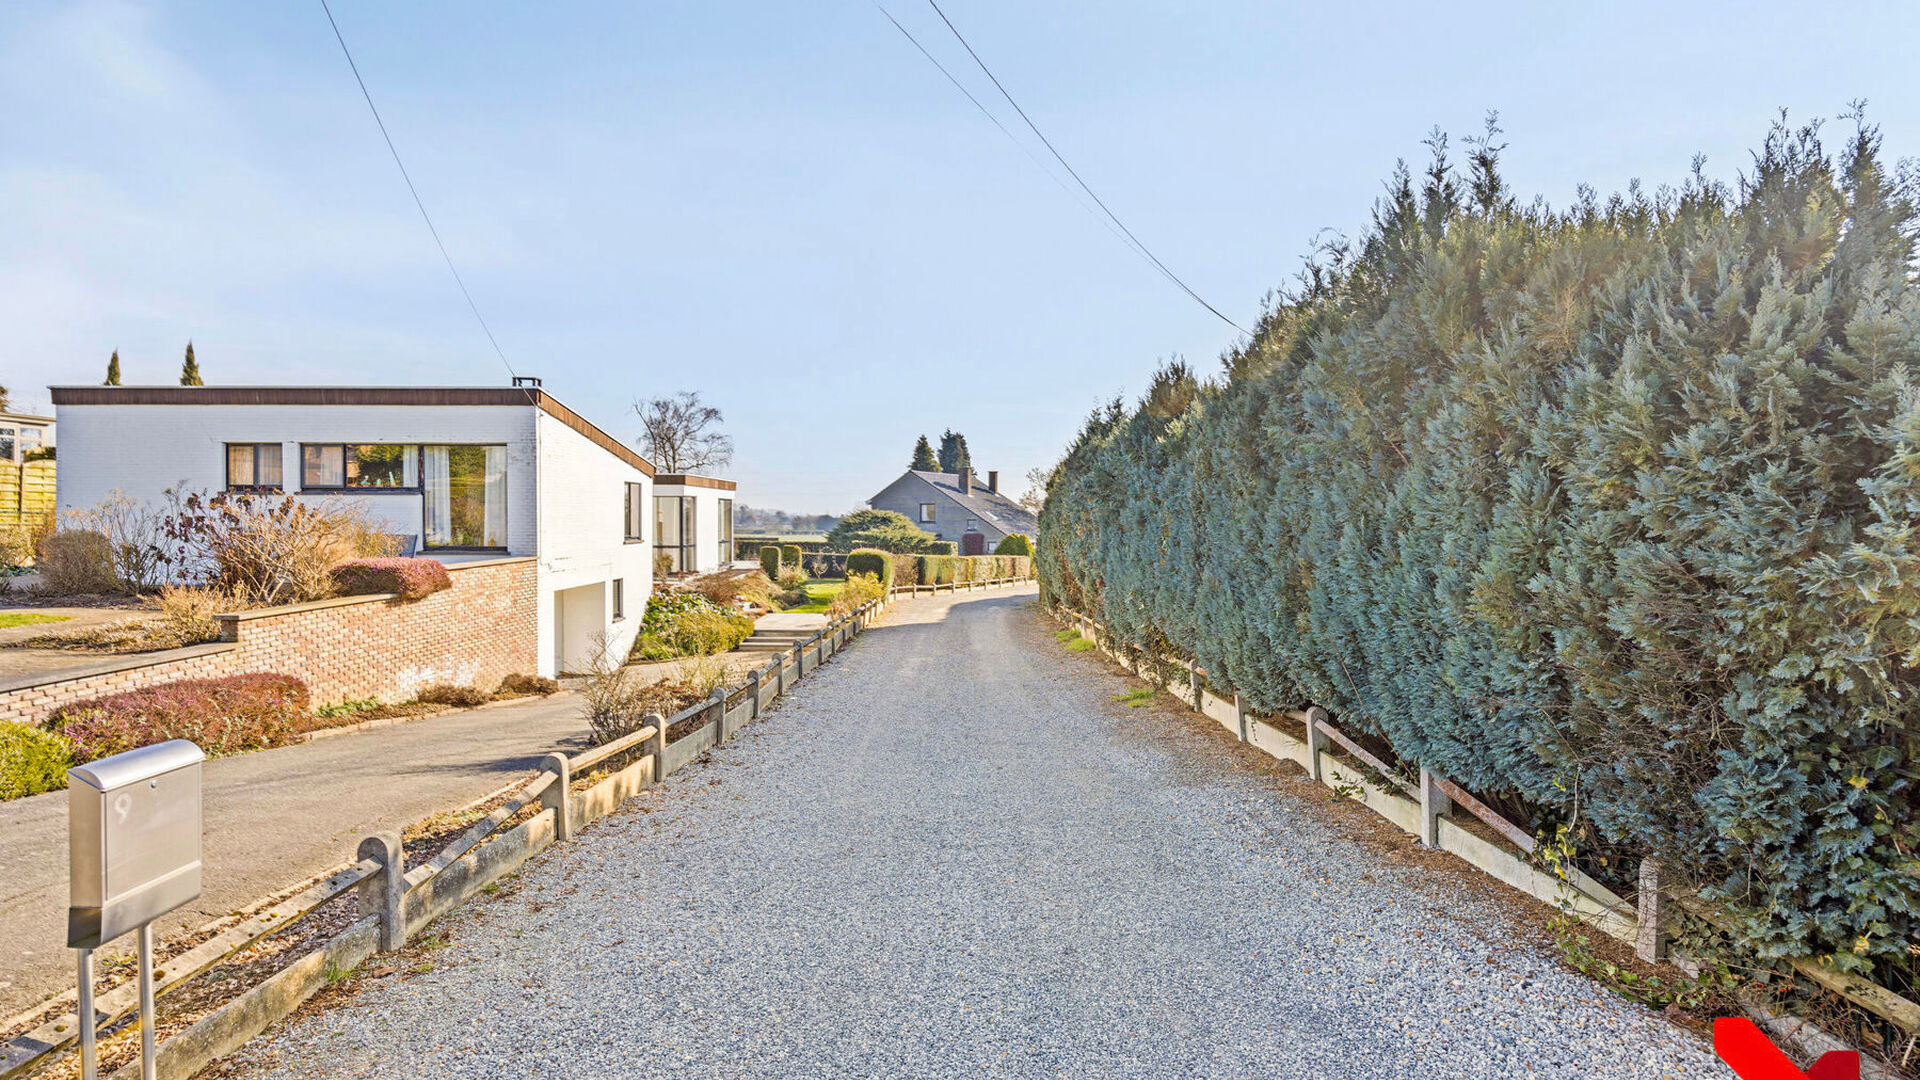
926 513
686 519
507 509
634 523
226 453
726 530
619 599
419 470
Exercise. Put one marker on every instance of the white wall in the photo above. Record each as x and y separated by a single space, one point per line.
142 450
582 499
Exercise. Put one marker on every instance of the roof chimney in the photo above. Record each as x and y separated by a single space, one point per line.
993 481
966 480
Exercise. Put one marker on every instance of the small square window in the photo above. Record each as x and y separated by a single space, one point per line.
926 511
253 466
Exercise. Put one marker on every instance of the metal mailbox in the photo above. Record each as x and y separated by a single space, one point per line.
134 839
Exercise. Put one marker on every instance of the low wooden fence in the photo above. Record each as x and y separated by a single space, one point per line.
396 904
953 586
26 500
1422 803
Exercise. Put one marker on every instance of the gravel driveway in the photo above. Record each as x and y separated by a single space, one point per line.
949 853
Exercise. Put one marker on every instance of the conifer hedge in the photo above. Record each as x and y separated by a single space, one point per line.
1609 514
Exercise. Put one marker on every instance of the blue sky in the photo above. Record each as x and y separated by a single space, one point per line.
784 206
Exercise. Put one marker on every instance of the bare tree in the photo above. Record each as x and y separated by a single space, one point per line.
1036 495
678 434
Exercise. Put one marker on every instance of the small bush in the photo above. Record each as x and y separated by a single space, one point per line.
703 674
792 577
77 561
790 555
662 564
464 697
279 549
729 589
409 579
874 563
703 633
224 716
32 761
770 560
529 684
859 591
136 534
1015 544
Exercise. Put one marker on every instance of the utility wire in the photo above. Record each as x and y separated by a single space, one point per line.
428 218
1031 156
1171 276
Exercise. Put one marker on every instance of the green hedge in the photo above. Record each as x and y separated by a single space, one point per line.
770 560
877 563
1014 544
32 761
952 569
790 555
1606 513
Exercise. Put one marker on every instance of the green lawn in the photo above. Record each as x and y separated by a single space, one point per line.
820 593
11 619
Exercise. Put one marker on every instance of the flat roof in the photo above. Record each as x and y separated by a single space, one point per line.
691 480
529 396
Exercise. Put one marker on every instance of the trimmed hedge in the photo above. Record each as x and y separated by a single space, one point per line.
952 569
790 555
770 561
1014 544
408 578
32 761
877 563
227 715
1607 514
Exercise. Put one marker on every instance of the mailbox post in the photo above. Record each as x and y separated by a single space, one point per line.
133 831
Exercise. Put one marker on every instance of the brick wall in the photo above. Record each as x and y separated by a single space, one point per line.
347 649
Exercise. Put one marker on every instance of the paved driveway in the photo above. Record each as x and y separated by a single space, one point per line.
949 853
274 818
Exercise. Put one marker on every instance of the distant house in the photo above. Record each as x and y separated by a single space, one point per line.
21 434
465 475
957 507
693 521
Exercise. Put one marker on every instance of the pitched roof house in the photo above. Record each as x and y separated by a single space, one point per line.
461 474
957 507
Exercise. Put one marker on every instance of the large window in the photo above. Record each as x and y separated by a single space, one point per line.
926 511
465 489
7 436
361 466
253 466
726 530
675 531
636 514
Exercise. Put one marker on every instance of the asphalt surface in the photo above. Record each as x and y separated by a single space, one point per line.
950 853
274 818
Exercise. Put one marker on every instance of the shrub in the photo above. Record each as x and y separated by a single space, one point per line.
137 535
688 624
409 579
943 547
32 761
276 549
77 561
1607 513
529 685
883 529
937 569
770 560
792 577
790 556
876 564
859 591
224 716
1014 544
465 697
729 589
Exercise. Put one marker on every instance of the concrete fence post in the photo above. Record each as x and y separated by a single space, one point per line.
1316 739
385 893
1650 940
1240 716
1434 805
657 746
558 794
780 674
720 713
1197 680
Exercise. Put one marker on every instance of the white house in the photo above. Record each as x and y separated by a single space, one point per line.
463 473
693 521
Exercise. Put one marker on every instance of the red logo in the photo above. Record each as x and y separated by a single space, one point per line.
1752 1056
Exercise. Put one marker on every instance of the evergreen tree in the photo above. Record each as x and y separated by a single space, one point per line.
953 452
4 402
923 458
190 369
113 369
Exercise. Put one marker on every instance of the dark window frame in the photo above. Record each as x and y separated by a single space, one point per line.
634 516
619 599
419 470
226 455
457 549
927 510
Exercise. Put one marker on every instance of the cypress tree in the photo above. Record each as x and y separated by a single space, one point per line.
923 458
113 369
190 369
953 452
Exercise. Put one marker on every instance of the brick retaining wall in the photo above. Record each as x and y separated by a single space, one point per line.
351 648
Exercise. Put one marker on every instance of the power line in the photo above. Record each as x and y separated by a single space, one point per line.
1171 276
1011 137
424 216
